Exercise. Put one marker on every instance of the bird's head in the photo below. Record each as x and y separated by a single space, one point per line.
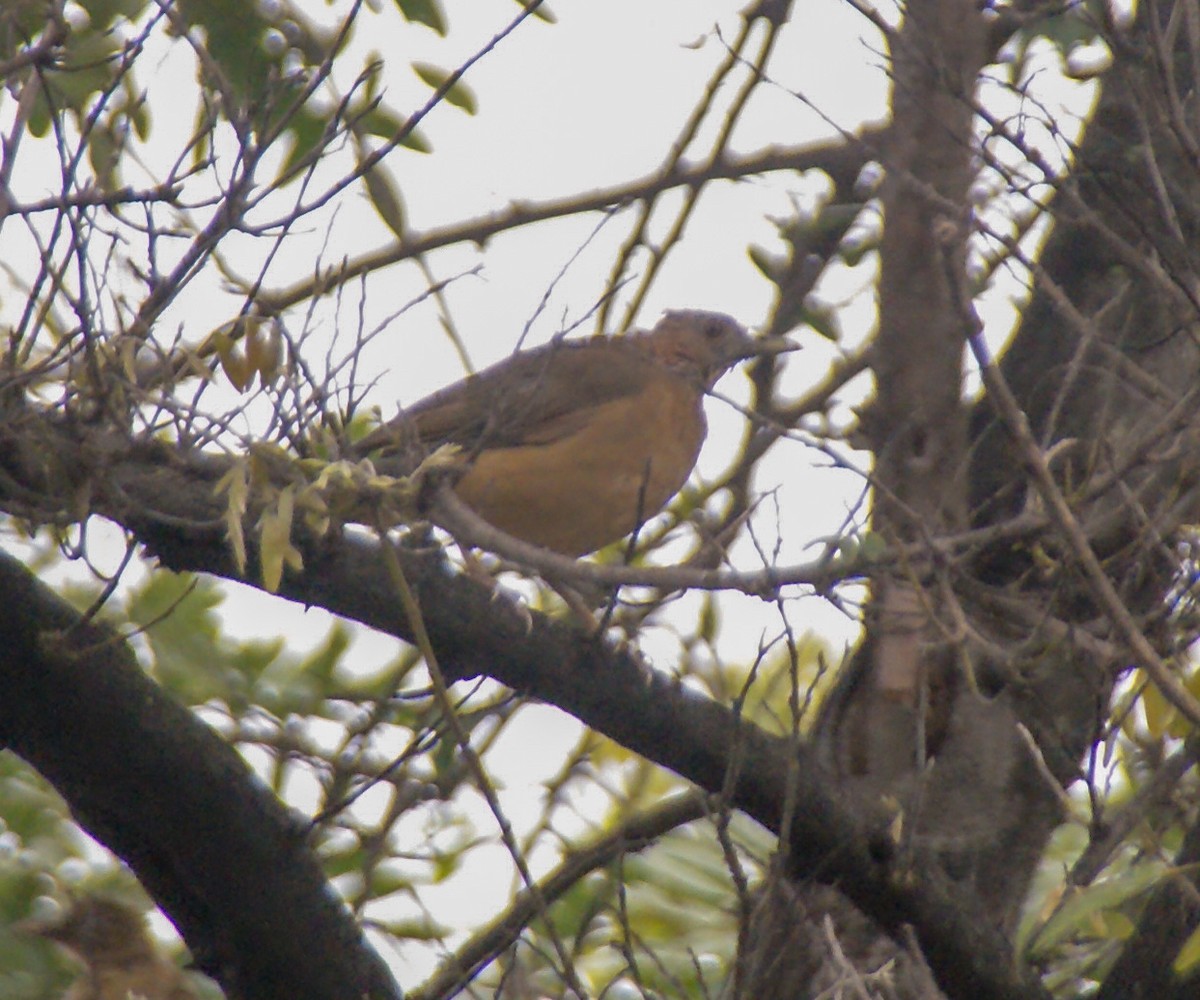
705 345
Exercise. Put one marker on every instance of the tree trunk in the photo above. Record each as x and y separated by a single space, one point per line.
958 655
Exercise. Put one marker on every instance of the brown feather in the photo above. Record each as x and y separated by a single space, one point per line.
573 445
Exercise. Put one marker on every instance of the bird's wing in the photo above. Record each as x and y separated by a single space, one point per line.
532 398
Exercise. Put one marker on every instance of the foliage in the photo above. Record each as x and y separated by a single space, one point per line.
189 286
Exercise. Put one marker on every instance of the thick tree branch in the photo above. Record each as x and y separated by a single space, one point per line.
228 863
167 501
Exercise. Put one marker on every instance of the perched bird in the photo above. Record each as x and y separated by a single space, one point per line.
121 961
573 445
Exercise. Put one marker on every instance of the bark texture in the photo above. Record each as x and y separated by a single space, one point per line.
1104 365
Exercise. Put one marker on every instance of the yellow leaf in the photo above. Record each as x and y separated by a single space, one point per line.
220 341
269 463
127 350
315 511
1158 711
1123 710
275 541
227 341
264 349
237 368
235 485
1189 955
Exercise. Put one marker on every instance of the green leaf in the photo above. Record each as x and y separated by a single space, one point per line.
89 61
102 13
177 612
138 114
24 21
387 125
710 619
385 196
543 12
413 929
460 95
426 12
1078 914
822 319
321 664
445 864
387 879
342 859
234 33
30 807
772 266
104 154
305 131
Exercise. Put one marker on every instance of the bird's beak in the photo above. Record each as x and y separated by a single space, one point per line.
766 347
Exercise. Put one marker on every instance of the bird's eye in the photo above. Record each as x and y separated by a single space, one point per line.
715 331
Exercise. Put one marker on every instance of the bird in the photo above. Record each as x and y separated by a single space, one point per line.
574 445
121 961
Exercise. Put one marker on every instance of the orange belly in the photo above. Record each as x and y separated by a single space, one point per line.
593 487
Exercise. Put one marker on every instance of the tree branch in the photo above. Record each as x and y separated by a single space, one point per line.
167 500
838 158
228 863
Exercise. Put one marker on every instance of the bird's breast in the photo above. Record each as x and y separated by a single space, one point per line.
580 492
